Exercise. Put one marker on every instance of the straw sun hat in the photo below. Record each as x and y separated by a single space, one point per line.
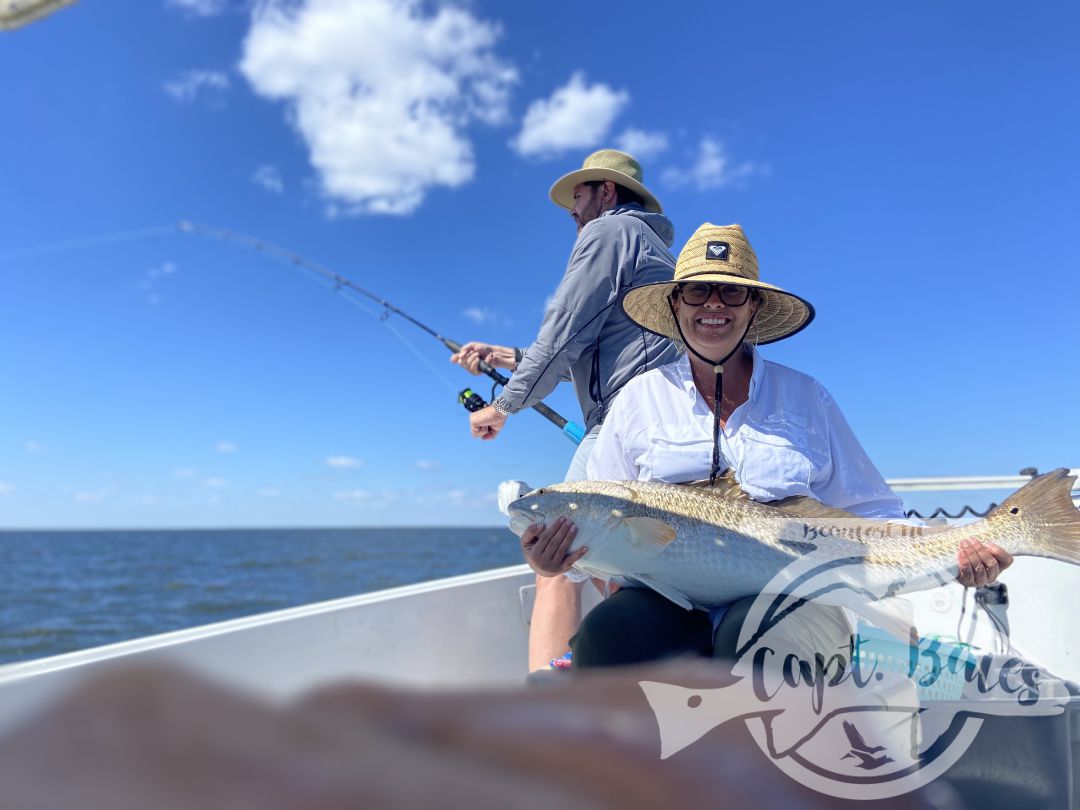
607 164
719 253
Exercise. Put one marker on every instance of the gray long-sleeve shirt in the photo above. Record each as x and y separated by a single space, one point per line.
585 336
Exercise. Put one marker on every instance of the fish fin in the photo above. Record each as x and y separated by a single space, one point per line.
649 532
668 591
683 720
1044 507
804 506
725 486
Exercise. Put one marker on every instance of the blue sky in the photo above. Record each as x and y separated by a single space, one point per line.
911 168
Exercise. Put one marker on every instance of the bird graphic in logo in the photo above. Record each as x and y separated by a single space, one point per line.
862 751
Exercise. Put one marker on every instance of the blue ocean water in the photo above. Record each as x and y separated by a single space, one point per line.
69 590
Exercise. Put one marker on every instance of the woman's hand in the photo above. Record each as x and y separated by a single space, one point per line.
546 547
980 563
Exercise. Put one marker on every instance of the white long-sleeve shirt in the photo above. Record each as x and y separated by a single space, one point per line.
788 438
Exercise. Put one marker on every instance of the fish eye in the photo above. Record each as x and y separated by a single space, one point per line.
1014 511
541 491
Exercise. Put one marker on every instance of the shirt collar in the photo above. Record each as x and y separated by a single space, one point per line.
685 377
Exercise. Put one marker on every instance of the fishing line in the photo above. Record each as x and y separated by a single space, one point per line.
341 284
85 242
384 318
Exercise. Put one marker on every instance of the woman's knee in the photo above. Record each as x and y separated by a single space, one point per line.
636 625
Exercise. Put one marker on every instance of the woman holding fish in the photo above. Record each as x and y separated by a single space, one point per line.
720 405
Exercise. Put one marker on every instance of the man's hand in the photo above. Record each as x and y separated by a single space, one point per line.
980 563
545 547
495 356
486 423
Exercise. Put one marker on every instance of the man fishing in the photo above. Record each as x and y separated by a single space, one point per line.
623 240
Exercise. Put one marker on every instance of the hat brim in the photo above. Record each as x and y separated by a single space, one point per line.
562 193
780 314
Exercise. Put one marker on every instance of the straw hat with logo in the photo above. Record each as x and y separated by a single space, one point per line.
607 164
719 253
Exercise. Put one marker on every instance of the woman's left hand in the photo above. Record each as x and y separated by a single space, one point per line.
981 563
547 548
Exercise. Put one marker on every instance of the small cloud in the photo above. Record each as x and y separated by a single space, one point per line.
200 8
354 495
270 492
482 315
150 282
370 500
456 498
145 500
191 83
185 472
225 447
712 169
166 269
6 487
268 177
93 496
343 462
215 483
642 145
576 116
428 465
32 446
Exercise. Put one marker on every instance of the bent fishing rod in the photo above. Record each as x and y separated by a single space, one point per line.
471 400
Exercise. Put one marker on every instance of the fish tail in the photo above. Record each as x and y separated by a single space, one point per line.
1051 522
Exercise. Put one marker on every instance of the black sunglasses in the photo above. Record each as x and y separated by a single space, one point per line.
696 293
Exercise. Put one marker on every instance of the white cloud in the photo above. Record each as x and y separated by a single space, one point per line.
642 145
215 483
270 492
712 169
93 496
166 269
354 495
226 447
427 465
185 472
32 446
201 8
577 116
343 462
481 315
381 92
189 84
151 281
269 177
6 487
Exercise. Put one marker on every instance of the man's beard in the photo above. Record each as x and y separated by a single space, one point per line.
590 212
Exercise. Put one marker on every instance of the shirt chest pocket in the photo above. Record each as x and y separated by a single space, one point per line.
782 455
675 454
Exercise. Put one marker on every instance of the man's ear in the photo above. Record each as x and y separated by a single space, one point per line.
610 195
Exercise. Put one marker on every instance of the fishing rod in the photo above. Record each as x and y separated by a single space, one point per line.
470 399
